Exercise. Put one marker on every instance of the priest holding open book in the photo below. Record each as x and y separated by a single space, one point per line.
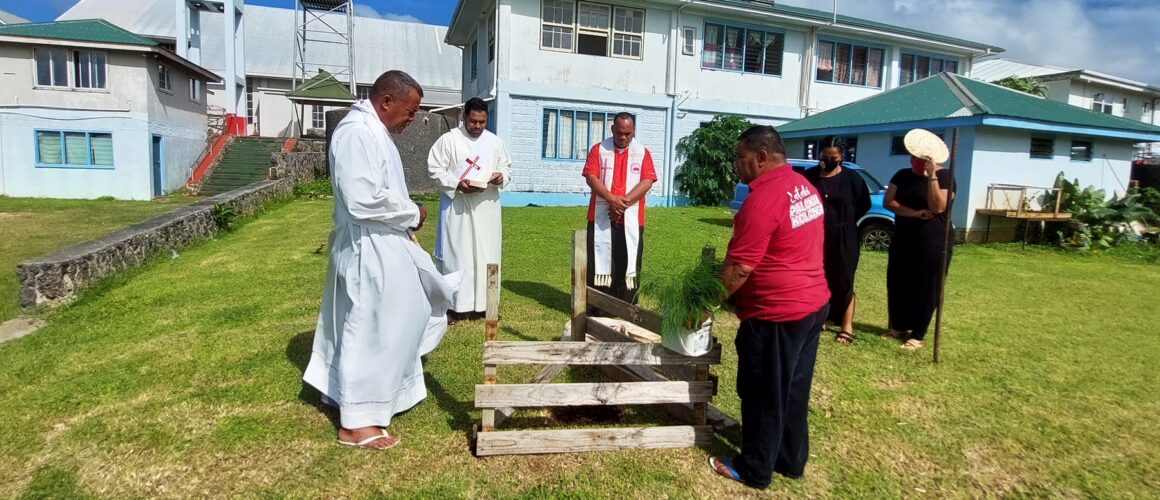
470 164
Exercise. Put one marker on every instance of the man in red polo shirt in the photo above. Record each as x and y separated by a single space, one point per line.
620 172
774 276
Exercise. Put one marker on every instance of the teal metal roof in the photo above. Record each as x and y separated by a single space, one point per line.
82 30
948 96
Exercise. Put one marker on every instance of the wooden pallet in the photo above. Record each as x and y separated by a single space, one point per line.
627 351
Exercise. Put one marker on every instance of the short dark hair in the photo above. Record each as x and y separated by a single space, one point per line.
474 104
762 138
624 115
396 84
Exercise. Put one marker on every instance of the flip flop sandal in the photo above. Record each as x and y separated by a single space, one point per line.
895 334
844 337
730 472
913 345
365 442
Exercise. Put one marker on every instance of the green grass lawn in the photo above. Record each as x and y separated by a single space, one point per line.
183 379
33 227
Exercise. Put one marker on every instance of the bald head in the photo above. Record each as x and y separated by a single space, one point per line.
396 84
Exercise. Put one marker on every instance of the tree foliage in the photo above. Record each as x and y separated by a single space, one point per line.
1027 85
1096 222
707 175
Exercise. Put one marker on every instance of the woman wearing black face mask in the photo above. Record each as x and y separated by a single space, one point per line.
846 199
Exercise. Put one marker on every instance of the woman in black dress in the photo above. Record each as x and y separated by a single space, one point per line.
846 199
918 196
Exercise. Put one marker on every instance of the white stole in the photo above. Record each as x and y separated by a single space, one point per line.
475 167
602 239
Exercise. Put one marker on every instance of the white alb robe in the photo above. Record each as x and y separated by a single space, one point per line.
380 288
470 225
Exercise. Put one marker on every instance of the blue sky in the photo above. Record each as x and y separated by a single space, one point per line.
1118 37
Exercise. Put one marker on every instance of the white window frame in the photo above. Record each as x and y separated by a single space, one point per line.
605 32
89 67
1104 103
164 79
854 45
363 91
913 70
688 40
639 36
544 24
317 116
52 81
194 89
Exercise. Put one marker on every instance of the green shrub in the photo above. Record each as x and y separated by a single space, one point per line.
687 297
224 217
1096 222
707 175
317 188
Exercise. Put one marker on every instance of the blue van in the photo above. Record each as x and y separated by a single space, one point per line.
876 227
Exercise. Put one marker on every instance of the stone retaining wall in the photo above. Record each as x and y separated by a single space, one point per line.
299 166
58 278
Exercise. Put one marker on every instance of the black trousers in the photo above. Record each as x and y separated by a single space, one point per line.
775 367
619 263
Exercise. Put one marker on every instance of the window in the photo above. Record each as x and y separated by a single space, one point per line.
558 24
364 92
249 100
850 64
1125 113
88 69
1101 103
51 67
688 40
474 71
1146 111
915 67
742 49
813 148
592 29
569 134
317 117
1081 151
58 148
195 90
1042 147
164 80
491 38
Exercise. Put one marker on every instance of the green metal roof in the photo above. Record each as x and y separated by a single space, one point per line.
321 87
81 30
950 96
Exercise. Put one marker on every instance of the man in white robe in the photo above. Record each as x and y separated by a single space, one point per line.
380 285
470 164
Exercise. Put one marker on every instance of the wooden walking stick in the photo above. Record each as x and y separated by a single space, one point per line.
948 240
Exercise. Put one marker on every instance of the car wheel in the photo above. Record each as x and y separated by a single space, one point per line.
876 235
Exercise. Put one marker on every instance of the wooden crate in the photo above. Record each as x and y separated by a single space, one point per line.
627 351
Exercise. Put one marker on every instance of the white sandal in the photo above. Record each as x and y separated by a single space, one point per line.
912 345
365 442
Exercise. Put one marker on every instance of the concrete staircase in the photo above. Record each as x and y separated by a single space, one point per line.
244 162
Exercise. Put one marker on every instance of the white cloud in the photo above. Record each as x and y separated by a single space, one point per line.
1117 37
363 10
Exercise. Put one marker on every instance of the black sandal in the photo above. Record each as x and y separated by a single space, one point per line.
844 337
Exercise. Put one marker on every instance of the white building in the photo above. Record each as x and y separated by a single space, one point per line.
88 109
10 18
558 70
269 32
1087 89
1005 138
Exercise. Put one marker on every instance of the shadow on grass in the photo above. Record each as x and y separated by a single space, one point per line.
546 295
717 221
507 330
871 329
458 412
298 352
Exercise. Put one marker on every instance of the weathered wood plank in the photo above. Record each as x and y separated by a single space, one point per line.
584 394
627 331
699 409
647 319
545 375
630 373
589 353
582 440
579 284
492 314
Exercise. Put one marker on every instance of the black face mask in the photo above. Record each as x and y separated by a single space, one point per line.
830 164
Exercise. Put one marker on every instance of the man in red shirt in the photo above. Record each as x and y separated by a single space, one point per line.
774 276
620 172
